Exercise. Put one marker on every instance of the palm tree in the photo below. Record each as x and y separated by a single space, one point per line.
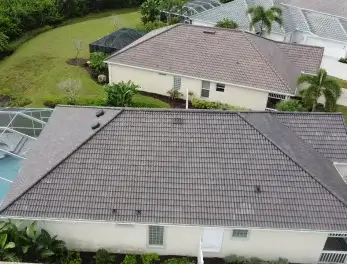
226 23
320 84
265 17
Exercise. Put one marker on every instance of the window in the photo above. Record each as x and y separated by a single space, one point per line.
240 233
156 235
177 82
220 87
205 89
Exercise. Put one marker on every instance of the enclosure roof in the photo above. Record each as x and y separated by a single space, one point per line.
294 17
193 167
195 7
119 39
222 55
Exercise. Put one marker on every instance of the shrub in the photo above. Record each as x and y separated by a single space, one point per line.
72 257
3 42
343 60
103 257
174 20
120 94
147 102
96 62
71 88
225 1
202 104
20 102
174 94
150 26
91 101
227 23
234 259
129 259
52 102
149 258
149 11
179 261
290 105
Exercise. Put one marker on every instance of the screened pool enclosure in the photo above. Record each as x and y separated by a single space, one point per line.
115 41
192 8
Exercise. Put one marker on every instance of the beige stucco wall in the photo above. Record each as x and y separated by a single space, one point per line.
155 82
296 246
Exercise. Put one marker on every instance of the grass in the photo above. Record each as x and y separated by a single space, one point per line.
39 65
139 100
343 110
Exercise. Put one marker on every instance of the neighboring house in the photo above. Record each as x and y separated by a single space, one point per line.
223 65
248 183
302 25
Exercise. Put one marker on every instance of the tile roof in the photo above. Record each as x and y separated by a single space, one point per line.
229 56
333 7
295 18
200 171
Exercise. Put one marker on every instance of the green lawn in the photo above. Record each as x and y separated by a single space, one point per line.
342 83
343 110
38 66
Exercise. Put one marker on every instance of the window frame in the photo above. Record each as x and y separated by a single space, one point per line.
149 236
205 89
239 237
220 89
177 80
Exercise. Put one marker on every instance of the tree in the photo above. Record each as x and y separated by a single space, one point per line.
320 84
150 11
227 23
5 249
3 42
290 105
265 17
71 89
120 94
78 47
174 94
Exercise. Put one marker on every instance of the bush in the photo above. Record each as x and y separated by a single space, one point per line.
149 258
20 102
202 104
290 105
129 259
179 261
227 23
343 60
52 102
234 259
96 62
120 94
72 257
103 257
225 1
147 102
149 11
174 94
150 26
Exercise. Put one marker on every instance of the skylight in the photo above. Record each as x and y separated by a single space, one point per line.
342 169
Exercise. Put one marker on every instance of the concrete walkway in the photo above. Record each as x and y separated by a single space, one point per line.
343 98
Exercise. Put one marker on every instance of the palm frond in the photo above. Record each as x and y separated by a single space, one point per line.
306 79
332 86
276 9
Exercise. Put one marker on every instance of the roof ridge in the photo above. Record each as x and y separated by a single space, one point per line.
60 162
268 62
314 11
285 153
168 28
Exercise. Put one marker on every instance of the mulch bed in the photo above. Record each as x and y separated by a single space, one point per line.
177 103
80 62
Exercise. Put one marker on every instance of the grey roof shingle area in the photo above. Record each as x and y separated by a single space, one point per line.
229 56
293 19
202 171
333 7
327 26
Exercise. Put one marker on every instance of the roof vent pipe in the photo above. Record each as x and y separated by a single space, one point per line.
100 113
209 32
257 189
95 126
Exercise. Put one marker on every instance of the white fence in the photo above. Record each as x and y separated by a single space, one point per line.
333 257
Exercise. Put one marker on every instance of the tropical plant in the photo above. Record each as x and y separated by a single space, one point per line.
265 17
97 62
290 105
120 94
49 248
149 11
71 257
203 104
174 94
226 23
5 249
149 258
129 259
319 85
103 257
3 42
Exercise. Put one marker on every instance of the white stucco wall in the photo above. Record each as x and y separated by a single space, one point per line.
296 246
274 36
155 82
202 23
